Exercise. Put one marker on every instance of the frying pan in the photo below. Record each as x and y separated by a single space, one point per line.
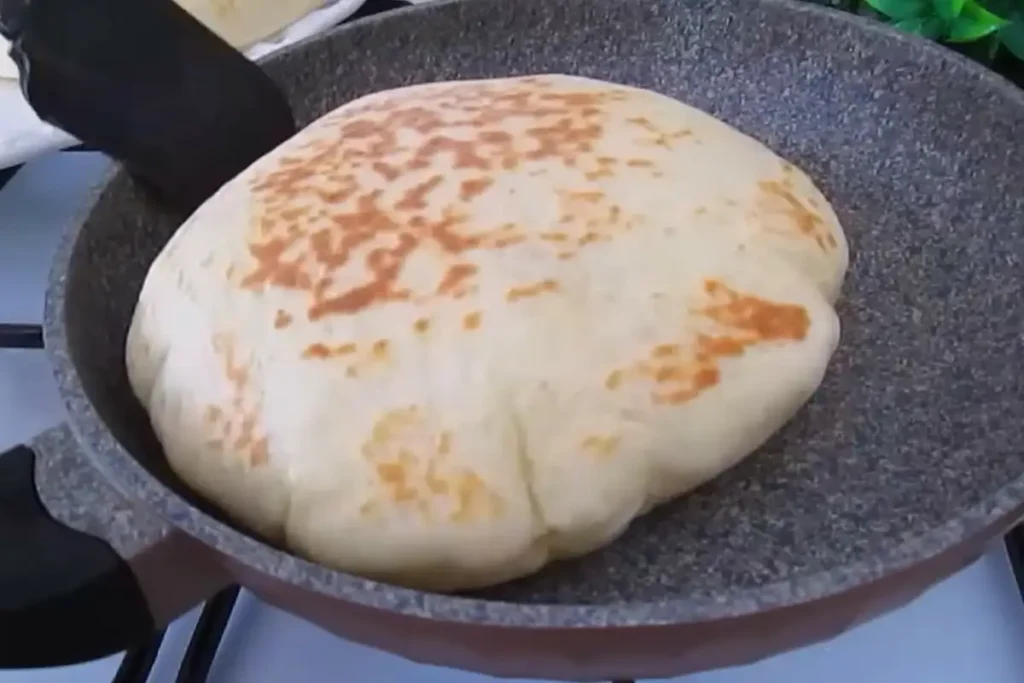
904 465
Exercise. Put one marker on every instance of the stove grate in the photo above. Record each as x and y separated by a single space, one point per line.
202 648
137 664
19 336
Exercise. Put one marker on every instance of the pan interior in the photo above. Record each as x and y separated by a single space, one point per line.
922 413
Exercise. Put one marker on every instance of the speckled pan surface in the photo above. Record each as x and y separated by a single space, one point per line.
912 445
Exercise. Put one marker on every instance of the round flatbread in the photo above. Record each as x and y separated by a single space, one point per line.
449 333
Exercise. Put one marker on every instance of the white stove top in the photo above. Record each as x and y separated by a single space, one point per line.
968 629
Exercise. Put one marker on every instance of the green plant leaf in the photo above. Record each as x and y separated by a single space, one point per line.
902 9
948 9
1012 37
928 27
973 23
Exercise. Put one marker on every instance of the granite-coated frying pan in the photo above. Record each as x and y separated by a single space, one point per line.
905 463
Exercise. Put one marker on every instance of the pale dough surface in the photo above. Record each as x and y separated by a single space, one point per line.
452 332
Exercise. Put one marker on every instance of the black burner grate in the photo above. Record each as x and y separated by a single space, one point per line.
202 648
17 336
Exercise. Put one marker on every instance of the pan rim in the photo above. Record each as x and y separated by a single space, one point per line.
133 481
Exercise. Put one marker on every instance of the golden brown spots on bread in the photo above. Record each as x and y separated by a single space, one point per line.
463 153
235 424
495 137
668 374
733 322
588 218
614 380
602 167
601 446
643 122
282 319
416 198
666 350
456 278
778 200
259 452
237 374
476 501
756 320
509 238
341 213
317 350
246 439
585 195
422 325
274 269
380 349
474 187
535 289
387 171
472 320
324 351
640 163
358 129
658 136
414 467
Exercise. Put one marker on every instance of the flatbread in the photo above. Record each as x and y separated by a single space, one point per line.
452 332
244 22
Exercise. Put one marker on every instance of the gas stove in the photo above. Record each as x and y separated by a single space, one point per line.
966 629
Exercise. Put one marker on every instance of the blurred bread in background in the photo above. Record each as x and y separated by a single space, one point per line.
244 22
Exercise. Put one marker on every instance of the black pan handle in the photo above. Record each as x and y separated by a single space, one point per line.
83 575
